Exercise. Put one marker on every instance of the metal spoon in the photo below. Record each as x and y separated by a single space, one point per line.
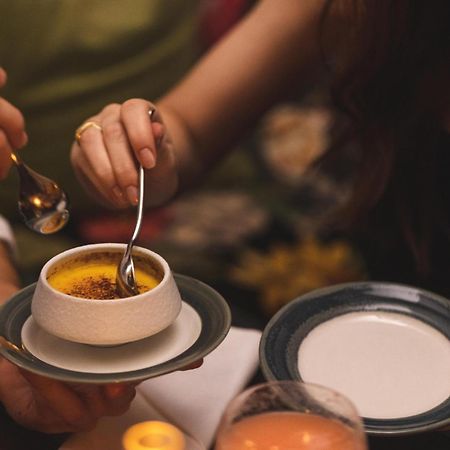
42 203
125 278
8 345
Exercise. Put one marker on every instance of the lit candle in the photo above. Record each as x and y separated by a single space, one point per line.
153 435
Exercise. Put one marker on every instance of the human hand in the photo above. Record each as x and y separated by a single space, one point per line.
51 406
12 130
104 155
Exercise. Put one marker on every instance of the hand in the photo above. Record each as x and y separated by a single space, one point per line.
104 157
51 406
12 130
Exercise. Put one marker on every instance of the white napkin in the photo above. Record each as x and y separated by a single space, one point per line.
192 400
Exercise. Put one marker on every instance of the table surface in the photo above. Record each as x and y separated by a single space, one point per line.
15 437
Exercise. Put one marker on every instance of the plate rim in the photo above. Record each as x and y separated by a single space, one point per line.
383 427
202 346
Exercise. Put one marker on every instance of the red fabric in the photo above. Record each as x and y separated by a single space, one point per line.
118 227
219 16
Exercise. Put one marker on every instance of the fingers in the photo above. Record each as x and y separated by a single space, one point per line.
106 158
3 77
11 120
106 400
194 365
12 130
119 397
12 133
62 401
79 406
52 406
135 117
92 183
121 157
5 152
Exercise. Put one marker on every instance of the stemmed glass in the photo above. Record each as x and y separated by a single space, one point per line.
290 415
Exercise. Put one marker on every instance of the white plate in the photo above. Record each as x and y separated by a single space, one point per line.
151 351
202 325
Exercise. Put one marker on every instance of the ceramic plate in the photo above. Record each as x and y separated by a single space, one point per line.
293 324
201 326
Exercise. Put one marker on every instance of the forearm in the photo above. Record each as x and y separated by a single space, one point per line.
269 53
9 280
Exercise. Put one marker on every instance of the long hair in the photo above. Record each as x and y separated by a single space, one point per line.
391 71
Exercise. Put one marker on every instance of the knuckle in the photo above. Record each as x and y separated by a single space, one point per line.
113 131
126 177
111 108
19 120
105 175
81 419
121 407
87 137
133 103
74 155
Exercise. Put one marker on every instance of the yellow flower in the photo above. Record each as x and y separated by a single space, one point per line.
287 271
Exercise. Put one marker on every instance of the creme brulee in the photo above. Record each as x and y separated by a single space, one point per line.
93 276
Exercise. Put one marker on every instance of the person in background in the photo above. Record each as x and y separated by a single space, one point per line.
388 63
65 59
31 400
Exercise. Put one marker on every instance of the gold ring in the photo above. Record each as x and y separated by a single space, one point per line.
84 127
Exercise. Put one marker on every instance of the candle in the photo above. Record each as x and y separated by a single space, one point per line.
153 435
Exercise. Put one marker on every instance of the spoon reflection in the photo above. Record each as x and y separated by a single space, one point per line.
42 203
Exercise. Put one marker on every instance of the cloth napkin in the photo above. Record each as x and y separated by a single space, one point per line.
192 400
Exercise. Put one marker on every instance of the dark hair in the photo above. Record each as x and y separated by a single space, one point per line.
391 67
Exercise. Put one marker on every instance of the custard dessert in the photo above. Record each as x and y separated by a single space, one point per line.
93 275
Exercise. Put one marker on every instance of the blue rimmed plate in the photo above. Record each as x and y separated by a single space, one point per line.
201 326
288 329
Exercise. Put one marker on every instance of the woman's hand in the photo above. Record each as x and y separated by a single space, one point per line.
12 130
52 406
105 152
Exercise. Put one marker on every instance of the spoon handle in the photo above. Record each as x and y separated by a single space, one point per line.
140 207
31 183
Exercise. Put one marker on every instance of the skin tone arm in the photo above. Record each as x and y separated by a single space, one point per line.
12 130
48 405
274 47
34 401
9 281
31 400
12 136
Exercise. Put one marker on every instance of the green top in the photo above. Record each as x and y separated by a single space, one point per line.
66 59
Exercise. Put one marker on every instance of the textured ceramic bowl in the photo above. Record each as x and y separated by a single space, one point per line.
105 322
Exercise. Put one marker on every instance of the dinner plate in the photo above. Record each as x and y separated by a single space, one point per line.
292 328
201 326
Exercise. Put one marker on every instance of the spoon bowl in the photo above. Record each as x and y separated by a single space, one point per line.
125 278
42 204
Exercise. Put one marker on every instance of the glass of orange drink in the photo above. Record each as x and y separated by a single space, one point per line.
290 415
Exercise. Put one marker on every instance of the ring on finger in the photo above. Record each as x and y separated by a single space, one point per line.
81 129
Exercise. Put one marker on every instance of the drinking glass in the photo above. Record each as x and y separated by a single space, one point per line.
290 415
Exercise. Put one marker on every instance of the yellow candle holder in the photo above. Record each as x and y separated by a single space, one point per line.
153 435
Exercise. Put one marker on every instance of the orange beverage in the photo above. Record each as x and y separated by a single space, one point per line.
288 431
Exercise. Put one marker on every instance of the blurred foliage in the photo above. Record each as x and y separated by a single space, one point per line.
286 271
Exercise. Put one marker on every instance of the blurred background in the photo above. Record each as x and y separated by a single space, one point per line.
254 229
